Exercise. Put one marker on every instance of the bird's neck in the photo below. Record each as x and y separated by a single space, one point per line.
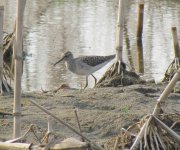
70 64
70 60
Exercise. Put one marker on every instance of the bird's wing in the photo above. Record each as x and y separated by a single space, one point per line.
95 60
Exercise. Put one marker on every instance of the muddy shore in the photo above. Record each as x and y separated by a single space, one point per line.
102 111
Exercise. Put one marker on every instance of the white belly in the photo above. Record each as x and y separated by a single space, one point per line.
80 68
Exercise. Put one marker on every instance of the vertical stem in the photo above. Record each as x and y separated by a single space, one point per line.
77 118
139 36
175 41
116 143
140 57
18 67
50 124
119 32
140 20
1 47
79 125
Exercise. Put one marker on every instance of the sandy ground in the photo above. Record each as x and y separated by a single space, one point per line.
102 111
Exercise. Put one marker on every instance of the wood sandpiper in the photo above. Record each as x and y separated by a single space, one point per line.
85 65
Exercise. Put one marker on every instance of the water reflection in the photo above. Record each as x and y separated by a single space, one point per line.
88 27
140 59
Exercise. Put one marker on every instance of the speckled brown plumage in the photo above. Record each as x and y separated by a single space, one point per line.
95 60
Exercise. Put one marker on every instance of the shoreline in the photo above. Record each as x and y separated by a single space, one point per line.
102 112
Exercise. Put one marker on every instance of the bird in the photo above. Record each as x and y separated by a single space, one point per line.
84 65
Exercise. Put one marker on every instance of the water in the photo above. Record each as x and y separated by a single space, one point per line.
87 27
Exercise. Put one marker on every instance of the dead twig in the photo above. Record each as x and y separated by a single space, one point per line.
79 125
174 124
128 132
23 136
5 113
151 139
155 138
97 147
116 143
175 136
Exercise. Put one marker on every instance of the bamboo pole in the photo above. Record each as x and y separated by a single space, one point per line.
119 32
1 48
175 42
161 100
18 68
140 20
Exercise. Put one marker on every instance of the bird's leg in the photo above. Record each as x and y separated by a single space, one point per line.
94 78
86 82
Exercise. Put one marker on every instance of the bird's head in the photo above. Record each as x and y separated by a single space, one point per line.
65 56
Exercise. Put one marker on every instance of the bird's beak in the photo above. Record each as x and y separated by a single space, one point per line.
58 61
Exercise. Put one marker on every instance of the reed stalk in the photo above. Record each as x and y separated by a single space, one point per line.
175 42
1 48
119 32
17 51
140 20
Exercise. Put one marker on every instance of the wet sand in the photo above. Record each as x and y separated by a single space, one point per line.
102 111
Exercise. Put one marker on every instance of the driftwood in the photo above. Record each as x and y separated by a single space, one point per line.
14 146
67 144
71 143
